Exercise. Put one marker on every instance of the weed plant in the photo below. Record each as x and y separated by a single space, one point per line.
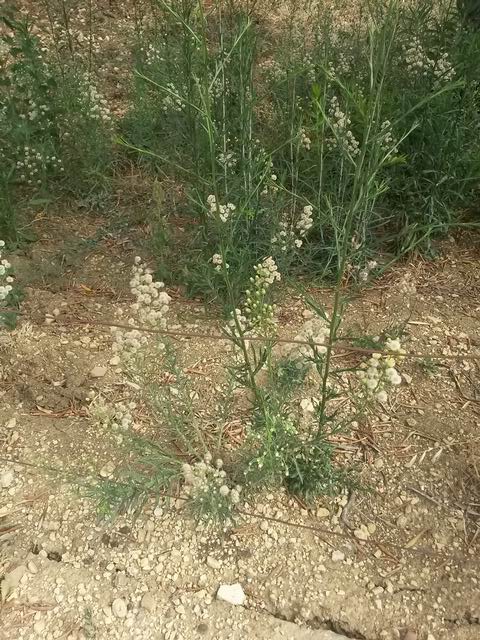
55 127
280 127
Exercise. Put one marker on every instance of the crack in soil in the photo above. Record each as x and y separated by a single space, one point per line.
324 624
468 619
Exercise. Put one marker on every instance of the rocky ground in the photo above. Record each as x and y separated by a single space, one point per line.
400 560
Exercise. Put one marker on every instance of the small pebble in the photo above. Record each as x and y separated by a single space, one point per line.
39 627
231 593
32 567
98 372
119 608
213 563
361 533
338 556
148 602
6 478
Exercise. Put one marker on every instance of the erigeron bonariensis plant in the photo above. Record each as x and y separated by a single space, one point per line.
379 374
421 64
291 234
6 279
340 125
150 309
256 317
223 211
35 165
209 489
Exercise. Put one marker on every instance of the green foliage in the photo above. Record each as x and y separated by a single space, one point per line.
8 212
386 111
55 128
286 375
152 472
428 366
312 472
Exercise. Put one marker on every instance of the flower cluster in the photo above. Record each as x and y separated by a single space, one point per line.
219 86
96 104
266 273
122 417
272 187
305 141
342 67
206 477
364 273
117 415
259 313
407 290
289 234
340 124
316 332
5 278
309 68
224 211
150 307
217 261
305 222
378 374
35 111
151 303
151 54
273 70
227 160
172 101
257 316
444 69
387 140
35 164
419 63
238 322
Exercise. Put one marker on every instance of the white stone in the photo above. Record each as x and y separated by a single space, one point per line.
32 567
361 533
98 372
107 470
338 556
213 563
6 478
231 593
11 581
39 627
119 608
115 361
148 602
323 513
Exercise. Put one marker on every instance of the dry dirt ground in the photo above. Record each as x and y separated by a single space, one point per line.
62 567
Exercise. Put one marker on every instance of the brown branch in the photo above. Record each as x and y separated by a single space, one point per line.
211 336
